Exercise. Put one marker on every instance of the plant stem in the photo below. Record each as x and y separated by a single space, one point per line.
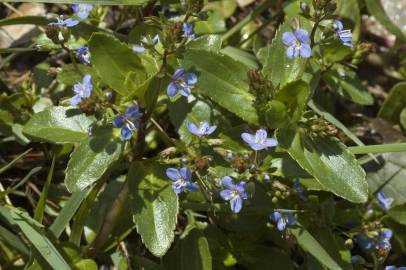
258 10
378 149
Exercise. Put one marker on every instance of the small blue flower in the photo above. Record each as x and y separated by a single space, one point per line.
297 43
181 82
64 23
82 89
82 10
364 241
304 7
259 141
384 239
182 180
203 129
344 36
188 31
235 193
83 54
384 202
128 122
283 220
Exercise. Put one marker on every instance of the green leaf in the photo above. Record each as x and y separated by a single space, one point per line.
32 230
92 158
241 56
276 65
39 210
70 76
13 240
349 86
58 125
223 80
154 205
388 176
117 65
403 118
376 9
213 25
394 104
398 213
330 163
195 253
206 42
312 246
264 257
67 212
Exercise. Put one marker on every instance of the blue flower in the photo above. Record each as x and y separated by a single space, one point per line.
203 129
297 43
259 141
128 122
82 10
82 89
344 36
364 241
181 82
283 220
182 180
64 23
384 202
83 54
391 267
235 193
188 31
384 239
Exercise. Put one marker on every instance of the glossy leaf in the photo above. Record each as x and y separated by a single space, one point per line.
154 205
117 65
206 42
330 163
224 81
91 159
58 125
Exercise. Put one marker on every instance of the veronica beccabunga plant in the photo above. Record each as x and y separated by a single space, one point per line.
203 135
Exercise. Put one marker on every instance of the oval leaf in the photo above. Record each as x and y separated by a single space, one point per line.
91 159
58 125
154 205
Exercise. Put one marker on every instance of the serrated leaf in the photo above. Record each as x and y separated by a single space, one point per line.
330 163
114 62
91 159
276 65
154 205
312 246
224 81
394 103
58 125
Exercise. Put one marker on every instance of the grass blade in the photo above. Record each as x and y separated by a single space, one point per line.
11 163
39 211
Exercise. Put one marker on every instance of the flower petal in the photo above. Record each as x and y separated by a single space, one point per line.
186 174
305 51
291 52
236 204
248 138
211 130
126 133
228 183
190 78
302 35
185 91
226 194
172 89
338 25
178 73
281 224
192 187
193 129
275 216
119 121
288 38
75 100
271 142
173 174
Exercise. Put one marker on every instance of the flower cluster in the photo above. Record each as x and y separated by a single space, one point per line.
380 242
